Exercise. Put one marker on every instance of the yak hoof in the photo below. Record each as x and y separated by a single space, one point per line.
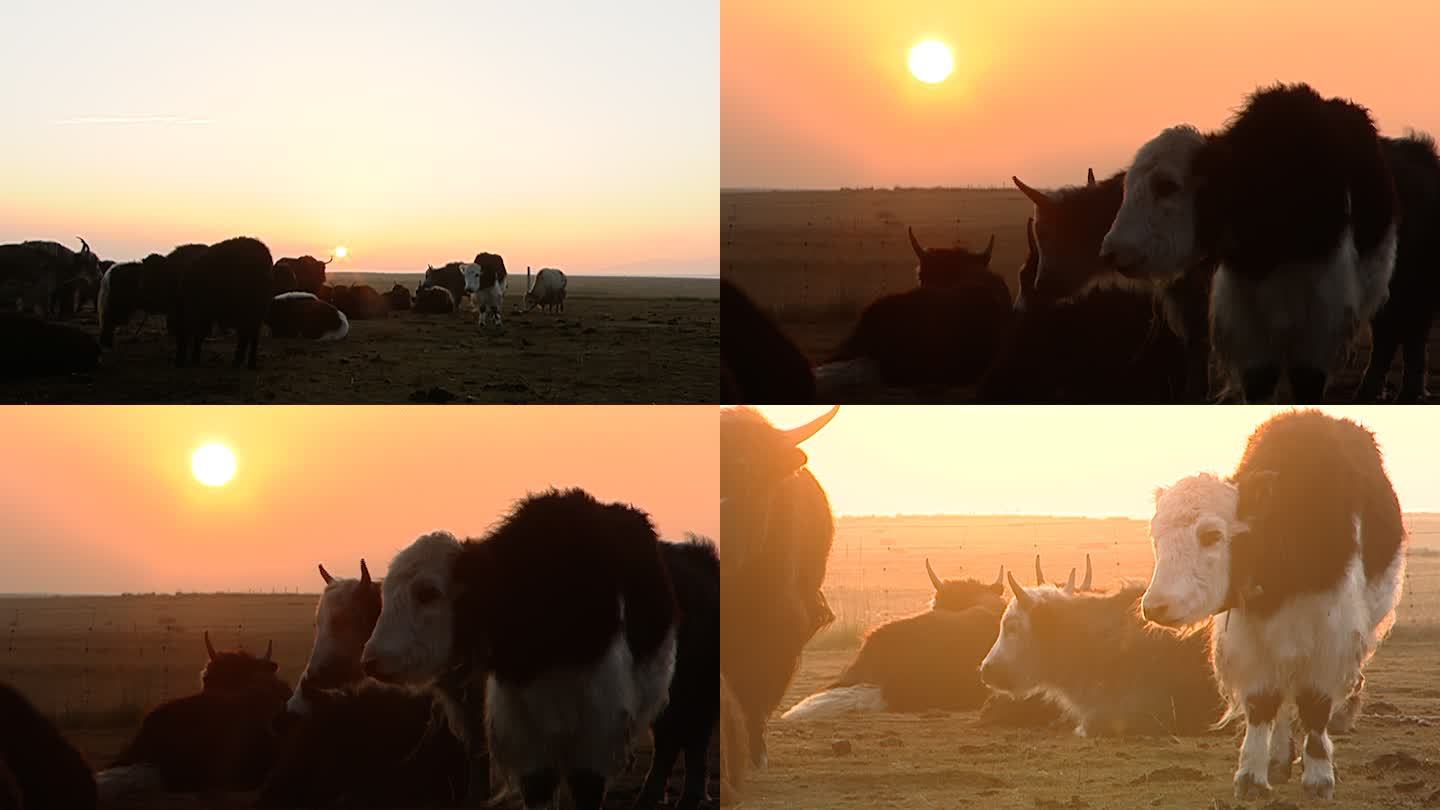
1279 772
1248 787
1319 789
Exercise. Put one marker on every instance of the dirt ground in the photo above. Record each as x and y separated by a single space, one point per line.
95 664
815 259
620 340
940 759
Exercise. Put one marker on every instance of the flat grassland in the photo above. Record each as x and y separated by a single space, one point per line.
620 340
96 663
815 259
939 759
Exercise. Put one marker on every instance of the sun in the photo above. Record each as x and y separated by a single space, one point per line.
341 251
931 61
213 465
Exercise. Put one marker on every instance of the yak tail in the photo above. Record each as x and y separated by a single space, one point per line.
835 703
121 780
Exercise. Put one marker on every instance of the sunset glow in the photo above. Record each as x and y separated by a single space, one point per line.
931 62
341 252
297 122
1039 89
213 465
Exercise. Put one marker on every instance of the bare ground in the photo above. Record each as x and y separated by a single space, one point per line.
944 759
815 259
620 340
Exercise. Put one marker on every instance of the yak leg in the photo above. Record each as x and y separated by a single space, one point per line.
1252 778
1318 776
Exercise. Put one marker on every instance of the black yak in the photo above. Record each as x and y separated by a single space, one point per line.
302 314
308 272
30 347
434 301
229 284
398 298
42 768
764 367
361 302
951 268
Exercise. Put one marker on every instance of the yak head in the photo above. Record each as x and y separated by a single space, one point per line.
950 268
1069 225
1196 534
1155 234
415 634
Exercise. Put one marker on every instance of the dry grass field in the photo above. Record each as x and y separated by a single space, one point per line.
815 259
620 340
939 759
95 664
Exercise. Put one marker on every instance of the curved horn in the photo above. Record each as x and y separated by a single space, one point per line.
999 578
1036 196
1070 583
84 246
1021 596
1089 177
794 436
325 575
364 573
331 259
269 648
915 244
934 580
1039 575
1085 584
209 648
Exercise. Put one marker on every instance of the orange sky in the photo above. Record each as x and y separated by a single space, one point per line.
1063 460
818 95
102 500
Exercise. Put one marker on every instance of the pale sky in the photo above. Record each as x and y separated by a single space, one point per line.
102 500
578 135
1063 460
819 95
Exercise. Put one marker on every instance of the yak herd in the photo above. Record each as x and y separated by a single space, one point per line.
233 284
1229 627
1221 266
490 669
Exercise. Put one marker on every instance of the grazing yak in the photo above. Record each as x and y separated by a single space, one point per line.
39 768
945 332
398 298
779 531
762 366
925 661
356 743
30 347
1106 668
1309 487
147 286
302 314
485 284
219 738
449 277
306 272
361 302
229 284
548 291
1295 203
434 301
568 683
1404 320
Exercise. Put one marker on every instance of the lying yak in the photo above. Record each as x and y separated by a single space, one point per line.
302 314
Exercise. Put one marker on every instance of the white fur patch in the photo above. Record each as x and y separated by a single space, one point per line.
1190 581
412 642
114 783
833 704
339 332
102 299
297 295
582 718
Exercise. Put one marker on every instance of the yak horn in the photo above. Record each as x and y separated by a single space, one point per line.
934 580
269 648
1021 596
1039 575
990 246
1070 583
999 578
331 259
325 575
1089 177
209 648
1036 196
84 246
915 244
794 436
1085 585
364 573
